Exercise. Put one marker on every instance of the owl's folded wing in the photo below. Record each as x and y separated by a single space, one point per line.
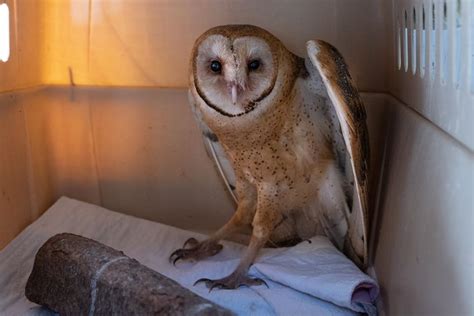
215 150
352 118
206 131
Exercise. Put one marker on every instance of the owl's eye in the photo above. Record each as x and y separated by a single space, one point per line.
254 64
216 66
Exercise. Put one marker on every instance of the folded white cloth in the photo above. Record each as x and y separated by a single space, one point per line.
311 278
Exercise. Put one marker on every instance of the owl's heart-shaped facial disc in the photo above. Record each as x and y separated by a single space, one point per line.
233 73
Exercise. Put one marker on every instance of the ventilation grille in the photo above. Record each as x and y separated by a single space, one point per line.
434 66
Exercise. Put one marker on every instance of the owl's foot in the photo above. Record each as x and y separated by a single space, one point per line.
196 251
233 281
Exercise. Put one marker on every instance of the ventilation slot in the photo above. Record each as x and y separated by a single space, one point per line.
457 45
405 43
433 43
413 44
423 42
399 44
471 57
444 45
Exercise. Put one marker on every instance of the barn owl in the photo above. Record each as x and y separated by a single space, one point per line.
295 132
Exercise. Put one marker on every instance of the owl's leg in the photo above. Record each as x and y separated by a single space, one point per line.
265 220
210 247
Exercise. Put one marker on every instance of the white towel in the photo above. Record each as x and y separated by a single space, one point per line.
311 278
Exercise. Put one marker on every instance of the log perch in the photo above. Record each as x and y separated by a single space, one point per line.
74 275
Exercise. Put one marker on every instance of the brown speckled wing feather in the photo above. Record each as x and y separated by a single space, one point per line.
352 118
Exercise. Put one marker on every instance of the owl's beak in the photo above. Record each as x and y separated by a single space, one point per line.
235 88
234 93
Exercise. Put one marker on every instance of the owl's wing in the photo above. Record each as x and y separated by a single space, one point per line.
351 115
215 150
206 131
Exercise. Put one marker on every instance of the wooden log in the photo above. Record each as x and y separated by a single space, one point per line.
74 275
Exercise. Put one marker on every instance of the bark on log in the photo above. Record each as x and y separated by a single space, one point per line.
74 275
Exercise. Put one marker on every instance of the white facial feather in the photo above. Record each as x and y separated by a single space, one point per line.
235 88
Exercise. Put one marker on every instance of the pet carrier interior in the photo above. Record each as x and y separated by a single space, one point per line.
93 106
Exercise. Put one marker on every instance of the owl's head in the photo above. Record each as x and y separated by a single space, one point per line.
235 67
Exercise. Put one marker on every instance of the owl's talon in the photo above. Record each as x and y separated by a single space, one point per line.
191 241
176 260
216 285
174 254
202 280
177 255
196 251
233 281
262 282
